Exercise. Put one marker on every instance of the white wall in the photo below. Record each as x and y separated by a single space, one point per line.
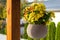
57 18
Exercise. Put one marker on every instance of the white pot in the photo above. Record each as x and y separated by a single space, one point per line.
36 31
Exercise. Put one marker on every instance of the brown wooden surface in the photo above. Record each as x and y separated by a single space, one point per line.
13 19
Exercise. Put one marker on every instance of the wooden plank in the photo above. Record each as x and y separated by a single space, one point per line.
13 19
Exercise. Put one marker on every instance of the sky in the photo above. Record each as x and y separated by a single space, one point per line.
55 4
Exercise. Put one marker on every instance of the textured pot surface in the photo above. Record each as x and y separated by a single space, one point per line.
36 31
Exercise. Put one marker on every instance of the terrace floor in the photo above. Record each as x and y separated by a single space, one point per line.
3 37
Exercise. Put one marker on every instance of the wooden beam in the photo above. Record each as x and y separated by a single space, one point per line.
13 19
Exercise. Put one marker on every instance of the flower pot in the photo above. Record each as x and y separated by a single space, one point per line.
36 31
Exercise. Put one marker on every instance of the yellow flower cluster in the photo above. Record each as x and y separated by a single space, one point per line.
34 12
34 17
52 14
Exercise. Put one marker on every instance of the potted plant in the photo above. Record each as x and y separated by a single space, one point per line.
37 17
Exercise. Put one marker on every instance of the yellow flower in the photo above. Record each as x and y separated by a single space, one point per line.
42 6
26 8
29 19
36 11
26 16
47 22
36 18
33 4
32 19
30 16
52 14
36 7
41 12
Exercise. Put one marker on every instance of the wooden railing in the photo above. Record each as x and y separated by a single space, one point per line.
13 19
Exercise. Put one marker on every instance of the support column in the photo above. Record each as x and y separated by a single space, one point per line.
13 19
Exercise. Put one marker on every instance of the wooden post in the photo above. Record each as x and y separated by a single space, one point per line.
13 19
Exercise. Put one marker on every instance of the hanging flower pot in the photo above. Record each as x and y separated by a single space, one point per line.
36 31
37 17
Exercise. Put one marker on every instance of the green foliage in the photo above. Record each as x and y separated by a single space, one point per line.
57 37
30 38
25 36
0 25
22 7
51 31
2 9
3 13
2 28
43 38
3 31
3 2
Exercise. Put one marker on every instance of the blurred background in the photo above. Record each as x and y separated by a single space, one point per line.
50 5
